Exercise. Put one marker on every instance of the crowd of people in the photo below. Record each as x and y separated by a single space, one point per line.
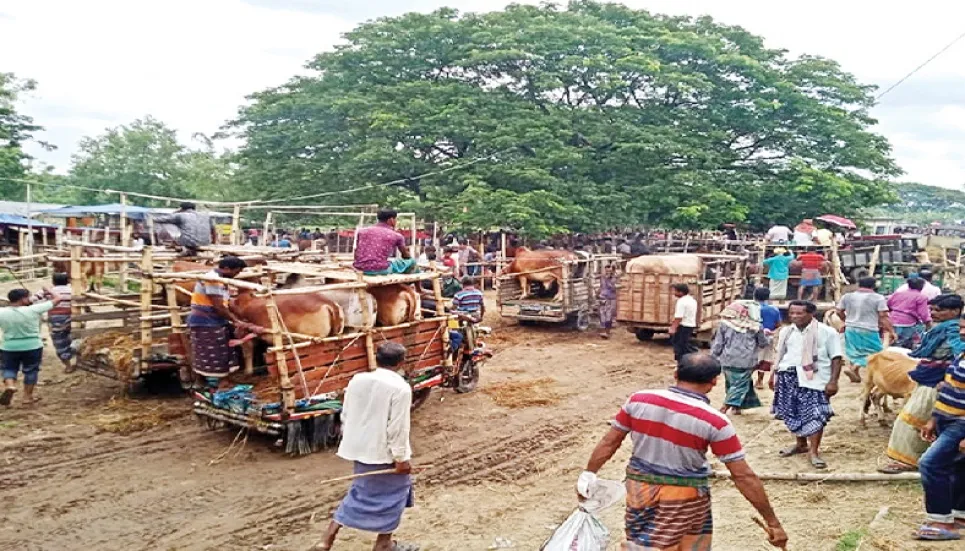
668 489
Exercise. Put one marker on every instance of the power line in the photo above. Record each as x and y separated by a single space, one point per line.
270 201
920 67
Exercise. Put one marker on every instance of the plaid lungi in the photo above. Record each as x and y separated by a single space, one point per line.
805 411
666 517
210 353
60 335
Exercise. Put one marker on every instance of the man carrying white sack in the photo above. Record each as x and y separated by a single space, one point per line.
668 488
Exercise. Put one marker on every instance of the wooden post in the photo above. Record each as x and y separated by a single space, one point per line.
147 292
236 226
415 241
837 284
264 233
177 327
875 255
76 288
285 383
355 238
123 221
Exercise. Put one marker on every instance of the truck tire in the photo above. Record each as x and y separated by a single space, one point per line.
644 335
858 273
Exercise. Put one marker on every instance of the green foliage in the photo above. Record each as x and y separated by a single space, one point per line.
146 157
923 204
850 541
15 130
595 116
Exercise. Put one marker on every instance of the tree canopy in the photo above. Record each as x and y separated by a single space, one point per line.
146 157
579 118
16 129
925 204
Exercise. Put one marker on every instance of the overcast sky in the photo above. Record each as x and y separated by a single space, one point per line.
190 63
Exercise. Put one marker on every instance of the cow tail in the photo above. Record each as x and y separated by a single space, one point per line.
413 302
338 319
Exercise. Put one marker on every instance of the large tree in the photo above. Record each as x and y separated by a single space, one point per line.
16 129
587 117
145 156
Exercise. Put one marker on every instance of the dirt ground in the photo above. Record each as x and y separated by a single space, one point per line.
91 469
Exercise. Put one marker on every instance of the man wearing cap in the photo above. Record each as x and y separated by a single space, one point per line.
778 272
195 228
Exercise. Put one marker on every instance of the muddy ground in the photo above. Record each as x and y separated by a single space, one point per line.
91 469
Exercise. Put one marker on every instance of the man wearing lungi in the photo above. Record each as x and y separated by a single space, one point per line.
375 435
770 321
865 315
684 323
59 318
806 377
668 492
379 242
211 355
607 300
778 272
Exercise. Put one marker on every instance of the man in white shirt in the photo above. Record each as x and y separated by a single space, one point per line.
806 377
779 234
375 435
684 322
930 290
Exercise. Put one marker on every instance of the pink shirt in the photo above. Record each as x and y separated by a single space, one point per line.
375 246
908 307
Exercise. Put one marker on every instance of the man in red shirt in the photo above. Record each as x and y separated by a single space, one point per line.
811 279
376 244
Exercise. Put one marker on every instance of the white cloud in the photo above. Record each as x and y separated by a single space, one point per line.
101 63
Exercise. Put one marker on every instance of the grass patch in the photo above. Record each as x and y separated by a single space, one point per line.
8 425
850 540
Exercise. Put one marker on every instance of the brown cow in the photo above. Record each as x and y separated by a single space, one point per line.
543 266
92 273
887 375
307 313
395 304
184 287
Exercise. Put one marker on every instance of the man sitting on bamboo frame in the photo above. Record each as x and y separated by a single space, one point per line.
377 243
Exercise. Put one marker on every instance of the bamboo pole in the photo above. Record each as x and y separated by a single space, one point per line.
287 390
372 473
874 260
103 246
76 288
147 291
174 276
830 477
264 233
236 225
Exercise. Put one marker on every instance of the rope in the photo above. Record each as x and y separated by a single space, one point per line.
335 362
291 342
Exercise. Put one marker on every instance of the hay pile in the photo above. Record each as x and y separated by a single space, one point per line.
522 394
112 349
123 416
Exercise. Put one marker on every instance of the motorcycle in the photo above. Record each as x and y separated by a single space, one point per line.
469 355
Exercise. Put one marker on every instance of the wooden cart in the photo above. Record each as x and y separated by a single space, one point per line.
579 294
295 394
645 303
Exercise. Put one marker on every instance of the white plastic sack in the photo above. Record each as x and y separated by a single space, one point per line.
582 531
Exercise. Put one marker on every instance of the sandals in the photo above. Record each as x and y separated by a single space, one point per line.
818 463
7 396
927 532
897 468
789 452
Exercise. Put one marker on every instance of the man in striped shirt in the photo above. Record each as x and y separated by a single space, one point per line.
469 301
942 467
668 492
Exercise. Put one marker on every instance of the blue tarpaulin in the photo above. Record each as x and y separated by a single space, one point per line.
79 211
14 220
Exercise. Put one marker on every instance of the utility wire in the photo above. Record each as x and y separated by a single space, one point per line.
270 201
920 67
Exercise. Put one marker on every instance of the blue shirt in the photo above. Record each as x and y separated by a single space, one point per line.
469 301
770 316
951 394
779 267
